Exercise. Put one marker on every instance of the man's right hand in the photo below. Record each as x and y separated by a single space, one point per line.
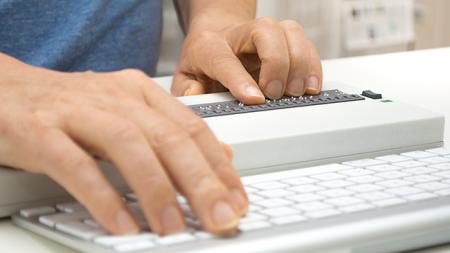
52 122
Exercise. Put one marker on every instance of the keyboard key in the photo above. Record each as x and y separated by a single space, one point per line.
365 179
356 172
328 176
275 193
254 197
80 230
344 201
409 164
435 160
175 238
432 186
356 208
312 206
52 219
389 202
335 183
364 163
182 200
393 158
249 189
279 211
252 217
405 190
419 170
384 167
439 151
394 183
37 211
193 223
365 188
269 185
333 193
288 219
442 166
422 178
374 196
134 246
418 154
300 181
203 235
70 207
254 208
393 174
131 197
323 213
442 174
136 210
445 192
421 196
306 188
254 225
307 197
111 240
92 223
276 202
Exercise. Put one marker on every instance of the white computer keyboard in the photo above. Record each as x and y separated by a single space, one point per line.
277 199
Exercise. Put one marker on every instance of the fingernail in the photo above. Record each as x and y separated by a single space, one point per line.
125 223
223 215
171 220
296 87
239 199
312 84
187 92
274 89
252 91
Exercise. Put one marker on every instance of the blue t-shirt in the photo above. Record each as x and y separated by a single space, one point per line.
79 35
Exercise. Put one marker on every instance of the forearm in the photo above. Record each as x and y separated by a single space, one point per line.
214 14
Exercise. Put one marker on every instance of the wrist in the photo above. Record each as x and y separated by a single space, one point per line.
15 72
216 19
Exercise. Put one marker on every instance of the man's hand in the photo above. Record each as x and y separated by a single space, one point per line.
253 58
51 122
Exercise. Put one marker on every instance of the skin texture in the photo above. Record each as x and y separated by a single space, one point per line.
251 58
54 123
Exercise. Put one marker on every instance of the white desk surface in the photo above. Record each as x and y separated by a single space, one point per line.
421 77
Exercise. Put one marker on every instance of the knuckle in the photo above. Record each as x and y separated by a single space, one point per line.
114 91
206 184
292 25
206 35
298 57
195 126
276 58
137 73
266 22
167 136
221 59
70 163
124 131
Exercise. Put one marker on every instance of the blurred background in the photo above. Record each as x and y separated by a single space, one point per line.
342 28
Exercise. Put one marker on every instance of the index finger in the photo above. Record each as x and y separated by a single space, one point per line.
209 145
265 37
219 62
